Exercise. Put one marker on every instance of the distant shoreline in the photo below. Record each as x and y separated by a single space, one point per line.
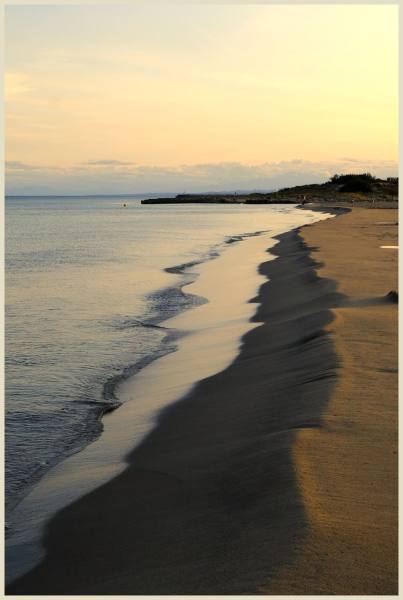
348 190
136 195
352 189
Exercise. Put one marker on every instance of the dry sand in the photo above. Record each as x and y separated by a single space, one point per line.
273 475
347 470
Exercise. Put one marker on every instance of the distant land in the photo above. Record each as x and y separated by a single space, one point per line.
75 196
346 188
159 195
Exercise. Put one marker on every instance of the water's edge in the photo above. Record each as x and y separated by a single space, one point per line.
109 401
259 317
20 543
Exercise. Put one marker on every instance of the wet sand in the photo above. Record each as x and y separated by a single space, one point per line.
225 496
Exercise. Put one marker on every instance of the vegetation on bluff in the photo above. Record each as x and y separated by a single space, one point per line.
348 188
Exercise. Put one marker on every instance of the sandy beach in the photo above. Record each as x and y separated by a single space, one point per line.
348 469
279 473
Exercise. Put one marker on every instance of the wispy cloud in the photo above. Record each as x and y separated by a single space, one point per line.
107 162
12 165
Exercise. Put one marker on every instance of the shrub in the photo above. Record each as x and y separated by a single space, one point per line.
357 184
350 177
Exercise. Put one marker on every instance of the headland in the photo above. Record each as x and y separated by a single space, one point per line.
348 190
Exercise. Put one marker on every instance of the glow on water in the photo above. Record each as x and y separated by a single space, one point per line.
81 276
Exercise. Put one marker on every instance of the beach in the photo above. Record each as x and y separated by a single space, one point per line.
348 469
277 474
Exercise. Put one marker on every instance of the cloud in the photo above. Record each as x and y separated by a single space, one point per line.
20 166
107 162
349 160
115 176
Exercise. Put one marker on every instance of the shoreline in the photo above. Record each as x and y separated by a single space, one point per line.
223 497
166 300
190 503
217 324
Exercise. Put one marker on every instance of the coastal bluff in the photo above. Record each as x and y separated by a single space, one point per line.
254 198
360 189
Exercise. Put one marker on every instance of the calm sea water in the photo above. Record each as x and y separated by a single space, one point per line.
87 283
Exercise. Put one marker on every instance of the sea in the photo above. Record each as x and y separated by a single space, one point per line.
89 283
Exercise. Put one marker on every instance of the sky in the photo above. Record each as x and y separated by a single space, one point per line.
149 98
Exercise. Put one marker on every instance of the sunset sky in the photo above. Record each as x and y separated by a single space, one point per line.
137 98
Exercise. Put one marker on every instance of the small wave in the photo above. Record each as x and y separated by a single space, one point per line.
110 399
168 302
102 405
242 236
231 240
180 269
132 323
183 267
